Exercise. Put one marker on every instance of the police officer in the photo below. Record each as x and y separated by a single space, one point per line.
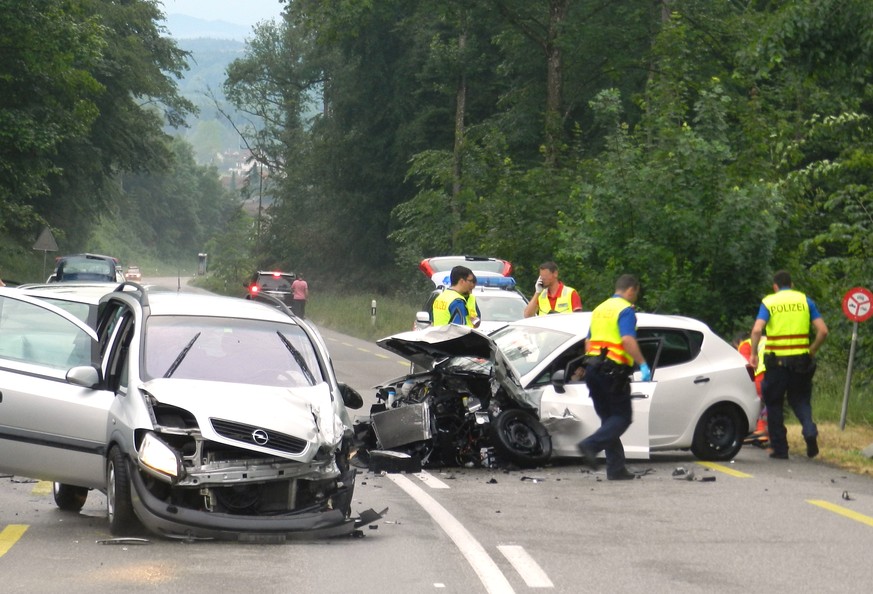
551 295
455 305
787 315
612 351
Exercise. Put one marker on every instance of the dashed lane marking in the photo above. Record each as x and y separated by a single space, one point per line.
431 481
529 570
838 509
486 569
725 469
10 535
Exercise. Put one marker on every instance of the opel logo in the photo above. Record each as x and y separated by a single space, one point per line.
260 437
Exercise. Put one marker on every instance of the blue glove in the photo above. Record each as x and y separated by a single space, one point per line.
645 372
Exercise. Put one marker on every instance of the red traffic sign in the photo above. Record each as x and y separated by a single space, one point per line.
858 304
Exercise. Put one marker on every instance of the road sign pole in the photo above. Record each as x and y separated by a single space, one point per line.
849 377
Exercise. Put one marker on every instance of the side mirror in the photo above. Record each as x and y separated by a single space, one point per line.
558 381
86 376
351 397
422 317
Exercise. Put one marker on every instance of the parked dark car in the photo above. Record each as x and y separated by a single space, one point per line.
87 267
272 282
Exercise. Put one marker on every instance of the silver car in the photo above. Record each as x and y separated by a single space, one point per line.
199 416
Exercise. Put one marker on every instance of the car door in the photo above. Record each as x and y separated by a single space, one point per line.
684 378
49 428
569 418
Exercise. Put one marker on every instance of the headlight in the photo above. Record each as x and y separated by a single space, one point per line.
160 459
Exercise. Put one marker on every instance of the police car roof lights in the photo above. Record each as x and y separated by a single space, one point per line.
483 279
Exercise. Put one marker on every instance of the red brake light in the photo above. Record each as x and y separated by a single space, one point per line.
254 288
277 275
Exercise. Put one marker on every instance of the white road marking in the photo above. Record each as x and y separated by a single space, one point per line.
527 568
484 566
430 480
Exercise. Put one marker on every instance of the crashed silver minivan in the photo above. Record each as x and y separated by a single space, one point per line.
200 417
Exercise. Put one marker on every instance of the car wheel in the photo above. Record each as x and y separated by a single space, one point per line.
69 497
519 437
122 520
718 436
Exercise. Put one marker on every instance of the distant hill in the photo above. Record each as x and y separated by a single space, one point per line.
209 132
185 27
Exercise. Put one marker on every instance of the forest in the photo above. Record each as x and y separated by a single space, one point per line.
699 144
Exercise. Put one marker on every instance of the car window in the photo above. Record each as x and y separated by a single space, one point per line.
500 308
677 346
272 283
80 310
31 334
483 265
86 269
230 350
525 347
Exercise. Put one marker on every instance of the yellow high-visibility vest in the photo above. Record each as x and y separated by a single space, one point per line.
605 332
788 326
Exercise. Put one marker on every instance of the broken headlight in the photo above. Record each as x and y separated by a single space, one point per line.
159 459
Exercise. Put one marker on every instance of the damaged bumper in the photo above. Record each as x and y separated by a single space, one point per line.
178 522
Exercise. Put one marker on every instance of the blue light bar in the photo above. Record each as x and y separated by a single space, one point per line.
482 280
504 282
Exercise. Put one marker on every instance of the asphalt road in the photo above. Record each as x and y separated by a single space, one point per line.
758 525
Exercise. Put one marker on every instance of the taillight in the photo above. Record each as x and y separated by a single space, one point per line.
254 289
751 371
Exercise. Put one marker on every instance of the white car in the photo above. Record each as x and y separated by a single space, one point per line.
498 300
702 397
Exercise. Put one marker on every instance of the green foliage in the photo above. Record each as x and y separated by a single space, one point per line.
231 258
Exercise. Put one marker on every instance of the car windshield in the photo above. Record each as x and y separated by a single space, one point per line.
230 350
525 347
500 309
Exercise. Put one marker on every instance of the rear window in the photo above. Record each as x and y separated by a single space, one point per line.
272 283
477 265
86 269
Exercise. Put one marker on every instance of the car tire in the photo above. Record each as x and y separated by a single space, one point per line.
719 435
122 520
69 497
519 437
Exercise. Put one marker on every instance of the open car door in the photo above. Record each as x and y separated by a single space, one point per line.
567 411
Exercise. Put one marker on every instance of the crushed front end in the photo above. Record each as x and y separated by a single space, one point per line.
246 481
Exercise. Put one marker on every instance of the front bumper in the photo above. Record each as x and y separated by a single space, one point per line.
176 522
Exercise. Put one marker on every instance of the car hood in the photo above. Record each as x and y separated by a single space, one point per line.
436 343
307 413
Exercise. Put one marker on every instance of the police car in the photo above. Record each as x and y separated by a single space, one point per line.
499 301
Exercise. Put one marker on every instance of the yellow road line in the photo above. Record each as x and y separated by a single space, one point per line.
42 488
837 509
725 469
10 535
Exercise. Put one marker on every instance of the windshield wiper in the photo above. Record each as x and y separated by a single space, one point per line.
181 356
297 357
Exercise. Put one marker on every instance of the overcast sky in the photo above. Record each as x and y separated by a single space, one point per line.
242 12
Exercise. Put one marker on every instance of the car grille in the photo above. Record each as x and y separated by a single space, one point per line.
242 432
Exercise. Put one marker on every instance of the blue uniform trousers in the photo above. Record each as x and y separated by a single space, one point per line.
609 388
